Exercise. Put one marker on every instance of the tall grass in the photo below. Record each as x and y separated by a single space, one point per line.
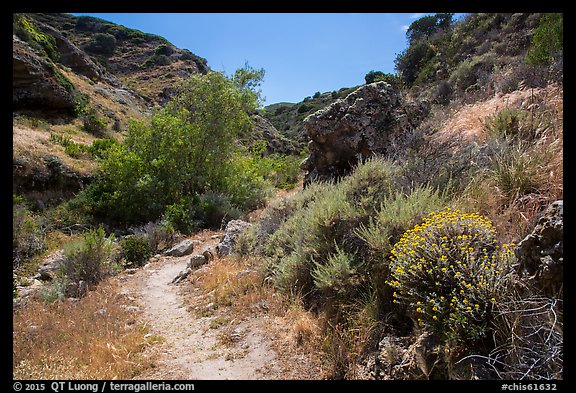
94 338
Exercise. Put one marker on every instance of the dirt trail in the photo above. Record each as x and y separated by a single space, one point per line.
191 349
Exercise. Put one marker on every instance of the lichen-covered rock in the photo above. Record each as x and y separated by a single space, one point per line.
233 229
356 127
540 254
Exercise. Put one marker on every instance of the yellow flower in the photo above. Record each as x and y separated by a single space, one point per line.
434 317
419 309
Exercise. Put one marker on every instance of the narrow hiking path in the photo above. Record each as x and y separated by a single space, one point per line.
191 349
210 345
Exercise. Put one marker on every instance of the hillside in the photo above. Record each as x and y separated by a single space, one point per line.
80 80
288 118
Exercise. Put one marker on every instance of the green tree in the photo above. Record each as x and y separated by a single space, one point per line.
188 148
547 42
426 26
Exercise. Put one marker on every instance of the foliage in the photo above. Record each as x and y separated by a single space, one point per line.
328 243
28 237
412 60
29 32
135 250
156 60
448 272
97 149
186 149
547 41
376 76
163 49
101 43
426 26
92 123
87 259
209 210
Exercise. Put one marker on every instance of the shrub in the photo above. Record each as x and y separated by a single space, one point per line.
163 49
547 42
99 147
179 215
102 43
87 259
156 60
135 249
28 237
215 210
449 271
190 147
160 235
336 277
92 123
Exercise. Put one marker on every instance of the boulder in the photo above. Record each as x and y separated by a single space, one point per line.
356 127
196 261
49 266
185 247
233 229
540 254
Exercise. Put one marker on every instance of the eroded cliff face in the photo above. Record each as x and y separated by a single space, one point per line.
356 127
35 82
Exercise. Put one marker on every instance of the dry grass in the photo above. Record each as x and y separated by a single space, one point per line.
94 338
528 175
237 283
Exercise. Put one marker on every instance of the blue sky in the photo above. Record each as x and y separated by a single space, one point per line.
302 53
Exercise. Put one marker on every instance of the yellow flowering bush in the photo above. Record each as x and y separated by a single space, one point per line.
447 272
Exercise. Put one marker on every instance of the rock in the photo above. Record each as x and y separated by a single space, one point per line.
540 254
209 254
130 270
363 124
35 83
49 266
185 247
181 276
196 261
131 308
233 229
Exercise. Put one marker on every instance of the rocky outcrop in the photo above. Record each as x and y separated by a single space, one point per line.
275 142
233 229
540 254
35 82
356 127
46 180
75 58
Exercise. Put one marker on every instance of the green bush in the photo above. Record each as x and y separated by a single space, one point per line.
27 30
102 43
449 271
156 60
28 236
87 259
180 215
99 147
92 123
160 235
187 148
547 42
163 49
135 249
